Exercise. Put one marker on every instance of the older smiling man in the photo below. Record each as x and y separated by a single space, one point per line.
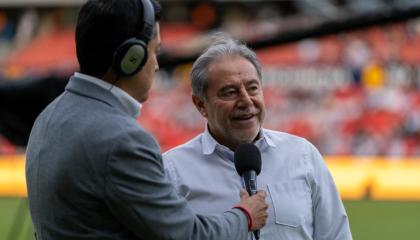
227 91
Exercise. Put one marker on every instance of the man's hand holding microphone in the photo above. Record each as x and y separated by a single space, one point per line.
255 207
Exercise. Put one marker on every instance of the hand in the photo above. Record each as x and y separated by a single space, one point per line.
257 206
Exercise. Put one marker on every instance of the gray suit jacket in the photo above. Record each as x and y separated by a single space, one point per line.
94 173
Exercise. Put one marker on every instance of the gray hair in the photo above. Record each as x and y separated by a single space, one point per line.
222 46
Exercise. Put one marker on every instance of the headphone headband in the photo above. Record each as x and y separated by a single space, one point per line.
148 21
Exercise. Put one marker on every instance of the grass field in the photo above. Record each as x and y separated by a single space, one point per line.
377 220
15 223
369 220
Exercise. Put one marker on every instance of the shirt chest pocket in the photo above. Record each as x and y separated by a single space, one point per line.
292 202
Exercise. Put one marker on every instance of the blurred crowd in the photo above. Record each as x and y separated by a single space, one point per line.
352 93
355 93
344 121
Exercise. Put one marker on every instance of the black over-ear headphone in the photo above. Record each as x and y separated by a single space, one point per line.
131 55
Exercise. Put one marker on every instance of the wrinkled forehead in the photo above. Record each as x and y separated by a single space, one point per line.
230 69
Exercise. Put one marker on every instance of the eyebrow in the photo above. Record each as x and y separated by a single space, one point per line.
252 81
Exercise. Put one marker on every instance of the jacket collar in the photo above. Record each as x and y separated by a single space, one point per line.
83 87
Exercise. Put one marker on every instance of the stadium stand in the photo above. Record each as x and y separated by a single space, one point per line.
351 93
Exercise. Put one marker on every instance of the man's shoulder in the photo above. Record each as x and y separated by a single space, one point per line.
191 147
278 137
291 143
90 117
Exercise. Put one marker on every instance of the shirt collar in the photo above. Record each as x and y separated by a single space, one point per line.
210 144
132 105
264 140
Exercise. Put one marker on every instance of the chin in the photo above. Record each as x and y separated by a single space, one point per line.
143 98
246 137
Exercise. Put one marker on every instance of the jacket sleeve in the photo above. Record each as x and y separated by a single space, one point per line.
330 218
140 196
171 174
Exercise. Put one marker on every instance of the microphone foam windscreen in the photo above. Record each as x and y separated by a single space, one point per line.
247 157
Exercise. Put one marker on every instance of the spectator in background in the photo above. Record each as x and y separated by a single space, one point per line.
92 172
373 75
356 55
227 91
26 28
6 34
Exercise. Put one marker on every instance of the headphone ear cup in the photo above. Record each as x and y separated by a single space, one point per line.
130 57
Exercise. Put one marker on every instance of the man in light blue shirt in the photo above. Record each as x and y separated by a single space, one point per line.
302 197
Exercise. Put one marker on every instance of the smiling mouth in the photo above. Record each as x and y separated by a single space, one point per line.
243 117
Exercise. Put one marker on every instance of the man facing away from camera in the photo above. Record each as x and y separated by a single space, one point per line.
92 171
302 197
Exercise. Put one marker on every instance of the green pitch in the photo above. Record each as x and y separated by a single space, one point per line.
369 220
15 223
383 220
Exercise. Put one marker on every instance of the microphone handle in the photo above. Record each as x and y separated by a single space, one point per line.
257 234
250 179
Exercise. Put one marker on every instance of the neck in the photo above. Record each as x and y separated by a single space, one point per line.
232 145
110 77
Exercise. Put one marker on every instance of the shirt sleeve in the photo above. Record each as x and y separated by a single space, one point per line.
141 198
170 172
330 218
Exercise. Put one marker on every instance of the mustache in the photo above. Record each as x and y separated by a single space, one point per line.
246 112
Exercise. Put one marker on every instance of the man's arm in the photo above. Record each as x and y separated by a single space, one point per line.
330 218
170 173
145 202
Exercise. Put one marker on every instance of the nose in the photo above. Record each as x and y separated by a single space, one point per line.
245 99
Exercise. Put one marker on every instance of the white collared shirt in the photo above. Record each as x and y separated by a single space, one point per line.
132 105
301 194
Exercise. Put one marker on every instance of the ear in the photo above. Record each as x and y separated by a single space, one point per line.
199 104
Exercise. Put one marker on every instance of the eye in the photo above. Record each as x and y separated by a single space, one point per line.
158 50
227 93
254 88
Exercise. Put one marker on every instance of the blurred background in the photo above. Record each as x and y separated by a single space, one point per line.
345 74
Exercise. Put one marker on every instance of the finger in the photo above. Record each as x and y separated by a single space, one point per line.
263 207
243 193
262 193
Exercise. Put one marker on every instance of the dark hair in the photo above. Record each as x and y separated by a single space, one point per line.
102 25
